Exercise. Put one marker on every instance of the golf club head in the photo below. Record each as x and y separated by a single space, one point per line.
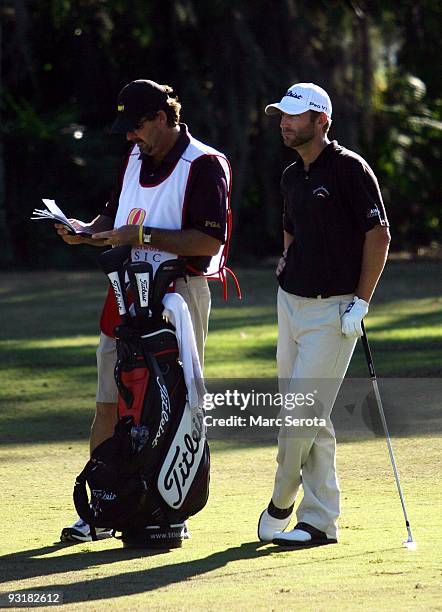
410 544
140 275
113 260
167 272
112 263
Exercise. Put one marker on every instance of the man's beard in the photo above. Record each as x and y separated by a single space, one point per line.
146 149
299 138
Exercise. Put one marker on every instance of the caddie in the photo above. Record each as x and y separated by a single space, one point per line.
336 240
171 199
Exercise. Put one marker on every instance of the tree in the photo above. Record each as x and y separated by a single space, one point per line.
226 60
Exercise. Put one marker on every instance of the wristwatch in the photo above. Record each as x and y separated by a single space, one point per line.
147 235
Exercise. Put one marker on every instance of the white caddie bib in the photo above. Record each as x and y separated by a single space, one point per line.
162 205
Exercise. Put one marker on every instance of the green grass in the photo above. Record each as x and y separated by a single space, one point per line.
223 565
404 326
47 379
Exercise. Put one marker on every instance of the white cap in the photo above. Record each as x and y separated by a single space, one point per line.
302 97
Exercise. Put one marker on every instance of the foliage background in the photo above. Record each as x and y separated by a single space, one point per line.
64 61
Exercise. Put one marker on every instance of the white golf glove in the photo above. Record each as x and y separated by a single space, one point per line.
352 318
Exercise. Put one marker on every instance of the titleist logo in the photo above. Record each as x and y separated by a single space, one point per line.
118 294
104 495
293 94
143 289
183 460
165 412
144 286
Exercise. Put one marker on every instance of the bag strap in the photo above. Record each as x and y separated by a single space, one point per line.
161 401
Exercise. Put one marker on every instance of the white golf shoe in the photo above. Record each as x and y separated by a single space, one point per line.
80 532
302 536
269 527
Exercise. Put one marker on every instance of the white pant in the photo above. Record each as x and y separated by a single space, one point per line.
196 294
311 346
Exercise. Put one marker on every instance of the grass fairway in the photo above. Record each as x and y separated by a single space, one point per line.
47 379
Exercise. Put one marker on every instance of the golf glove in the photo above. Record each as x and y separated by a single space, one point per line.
352 318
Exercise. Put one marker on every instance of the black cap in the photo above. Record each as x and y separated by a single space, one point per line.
135 101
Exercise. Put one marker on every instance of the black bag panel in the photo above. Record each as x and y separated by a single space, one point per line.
118 448
159 339
163 415
198 493
114 477
116 496
187 451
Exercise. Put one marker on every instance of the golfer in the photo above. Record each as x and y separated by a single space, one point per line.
336 241
171 200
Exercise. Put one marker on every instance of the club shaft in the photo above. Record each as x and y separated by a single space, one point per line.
374 381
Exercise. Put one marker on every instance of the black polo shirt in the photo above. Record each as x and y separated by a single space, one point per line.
328 210
205 196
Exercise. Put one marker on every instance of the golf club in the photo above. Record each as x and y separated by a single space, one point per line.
409 542
111 262
167 272
140 275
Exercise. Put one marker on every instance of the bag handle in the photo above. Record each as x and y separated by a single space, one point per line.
81 501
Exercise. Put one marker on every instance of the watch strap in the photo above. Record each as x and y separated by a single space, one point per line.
147 235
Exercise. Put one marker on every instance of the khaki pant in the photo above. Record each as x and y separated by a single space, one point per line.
312 355
196 294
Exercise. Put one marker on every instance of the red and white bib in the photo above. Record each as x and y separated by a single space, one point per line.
163 205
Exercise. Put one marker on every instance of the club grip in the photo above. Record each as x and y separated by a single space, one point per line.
167 272
367 351
140 275
112 263
112 260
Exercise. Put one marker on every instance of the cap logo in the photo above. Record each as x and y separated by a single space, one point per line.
320 106
293 94
121 107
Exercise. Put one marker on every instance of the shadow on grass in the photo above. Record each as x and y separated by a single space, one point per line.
414 357
32 564
431 320
60 426
411 321
248 319
411 405
419 357
54 358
